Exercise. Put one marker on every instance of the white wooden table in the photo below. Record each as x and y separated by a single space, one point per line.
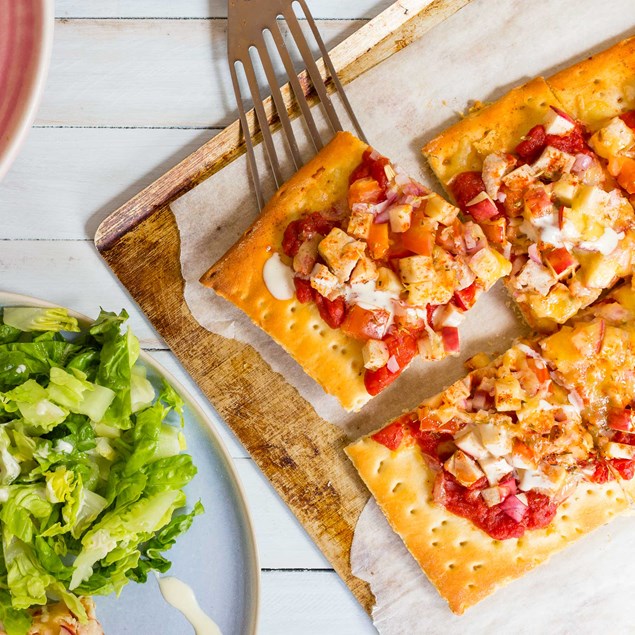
134 87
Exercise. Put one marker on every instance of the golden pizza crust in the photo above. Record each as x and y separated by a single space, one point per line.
327 355
463 562
495 128
600 87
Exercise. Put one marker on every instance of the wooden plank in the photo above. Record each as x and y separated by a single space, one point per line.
309 603
72 177
282 541
321 9
300 454
146 73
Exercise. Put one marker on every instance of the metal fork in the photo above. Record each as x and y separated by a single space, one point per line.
248 22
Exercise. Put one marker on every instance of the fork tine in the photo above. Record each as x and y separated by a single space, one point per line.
300 97
251 157
278 100
263 122
312 69
326 58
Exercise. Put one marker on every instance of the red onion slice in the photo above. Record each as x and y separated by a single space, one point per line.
582 163
514 508
534 254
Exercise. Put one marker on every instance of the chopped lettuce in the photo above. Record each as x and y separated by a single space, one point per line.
39 319
92 468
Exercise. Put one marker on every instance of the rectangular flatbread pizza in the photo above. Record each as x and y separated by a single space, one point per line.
355 268
523 170
514 462
600 92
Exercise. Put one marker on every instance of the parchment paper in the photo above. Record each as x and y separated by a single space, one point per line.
479 53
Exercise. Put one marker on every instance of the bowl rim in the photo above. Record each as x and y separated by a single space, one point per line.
35 85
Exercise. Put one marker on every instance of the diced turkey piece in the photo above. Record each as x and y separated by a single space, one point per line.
464 469
415 269
449 315
536 277
431 346
495 167
494 469
375 354
495 439
388 280
365 271
612 139
556 124
341 253
438 209
304 260
400 218
508 394
492 496
471 444
553 162
519 178
614 450
359 224
489 266
325 283
533 479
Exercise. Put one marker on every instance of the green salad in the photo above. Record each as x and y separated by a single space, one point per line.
91 462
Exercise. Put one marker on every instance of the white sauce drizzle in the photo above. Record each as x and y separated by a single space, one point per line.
278 278
181 597
368 297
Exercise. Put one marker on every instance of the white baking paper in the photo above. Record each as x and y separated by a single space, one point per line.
478 54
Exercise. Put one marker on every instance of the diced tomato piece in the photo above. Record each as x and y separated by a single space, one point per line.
624 437
483 210
363 169
601 474
573 143
629 118
403 346
626 177
290 240
378 172
361 324
624 467
390 436
419 239
494 230
428 421
303 290
365 191
378 240
397 249
533 144
466 186
450 336
560 259
541 371
621 419
465 298
332 312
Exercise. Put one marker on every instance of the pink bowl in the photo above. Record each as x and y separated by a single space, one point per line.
26 37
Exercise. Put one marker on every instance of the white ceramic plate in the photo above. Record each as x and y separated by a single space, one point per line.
217 557
26 38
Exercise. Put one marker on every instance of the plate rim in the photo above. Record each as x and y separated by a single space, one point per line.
19 299
36 83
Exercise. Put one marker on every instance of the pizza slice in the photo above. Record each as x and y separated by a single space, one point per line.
355 268
600 92
523 170
491 477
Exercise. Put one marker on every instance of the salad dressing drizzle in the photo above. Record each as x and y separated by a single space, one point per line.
181 597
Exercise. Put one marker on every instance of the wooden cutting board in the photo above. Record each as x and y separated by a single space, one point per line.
300 453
